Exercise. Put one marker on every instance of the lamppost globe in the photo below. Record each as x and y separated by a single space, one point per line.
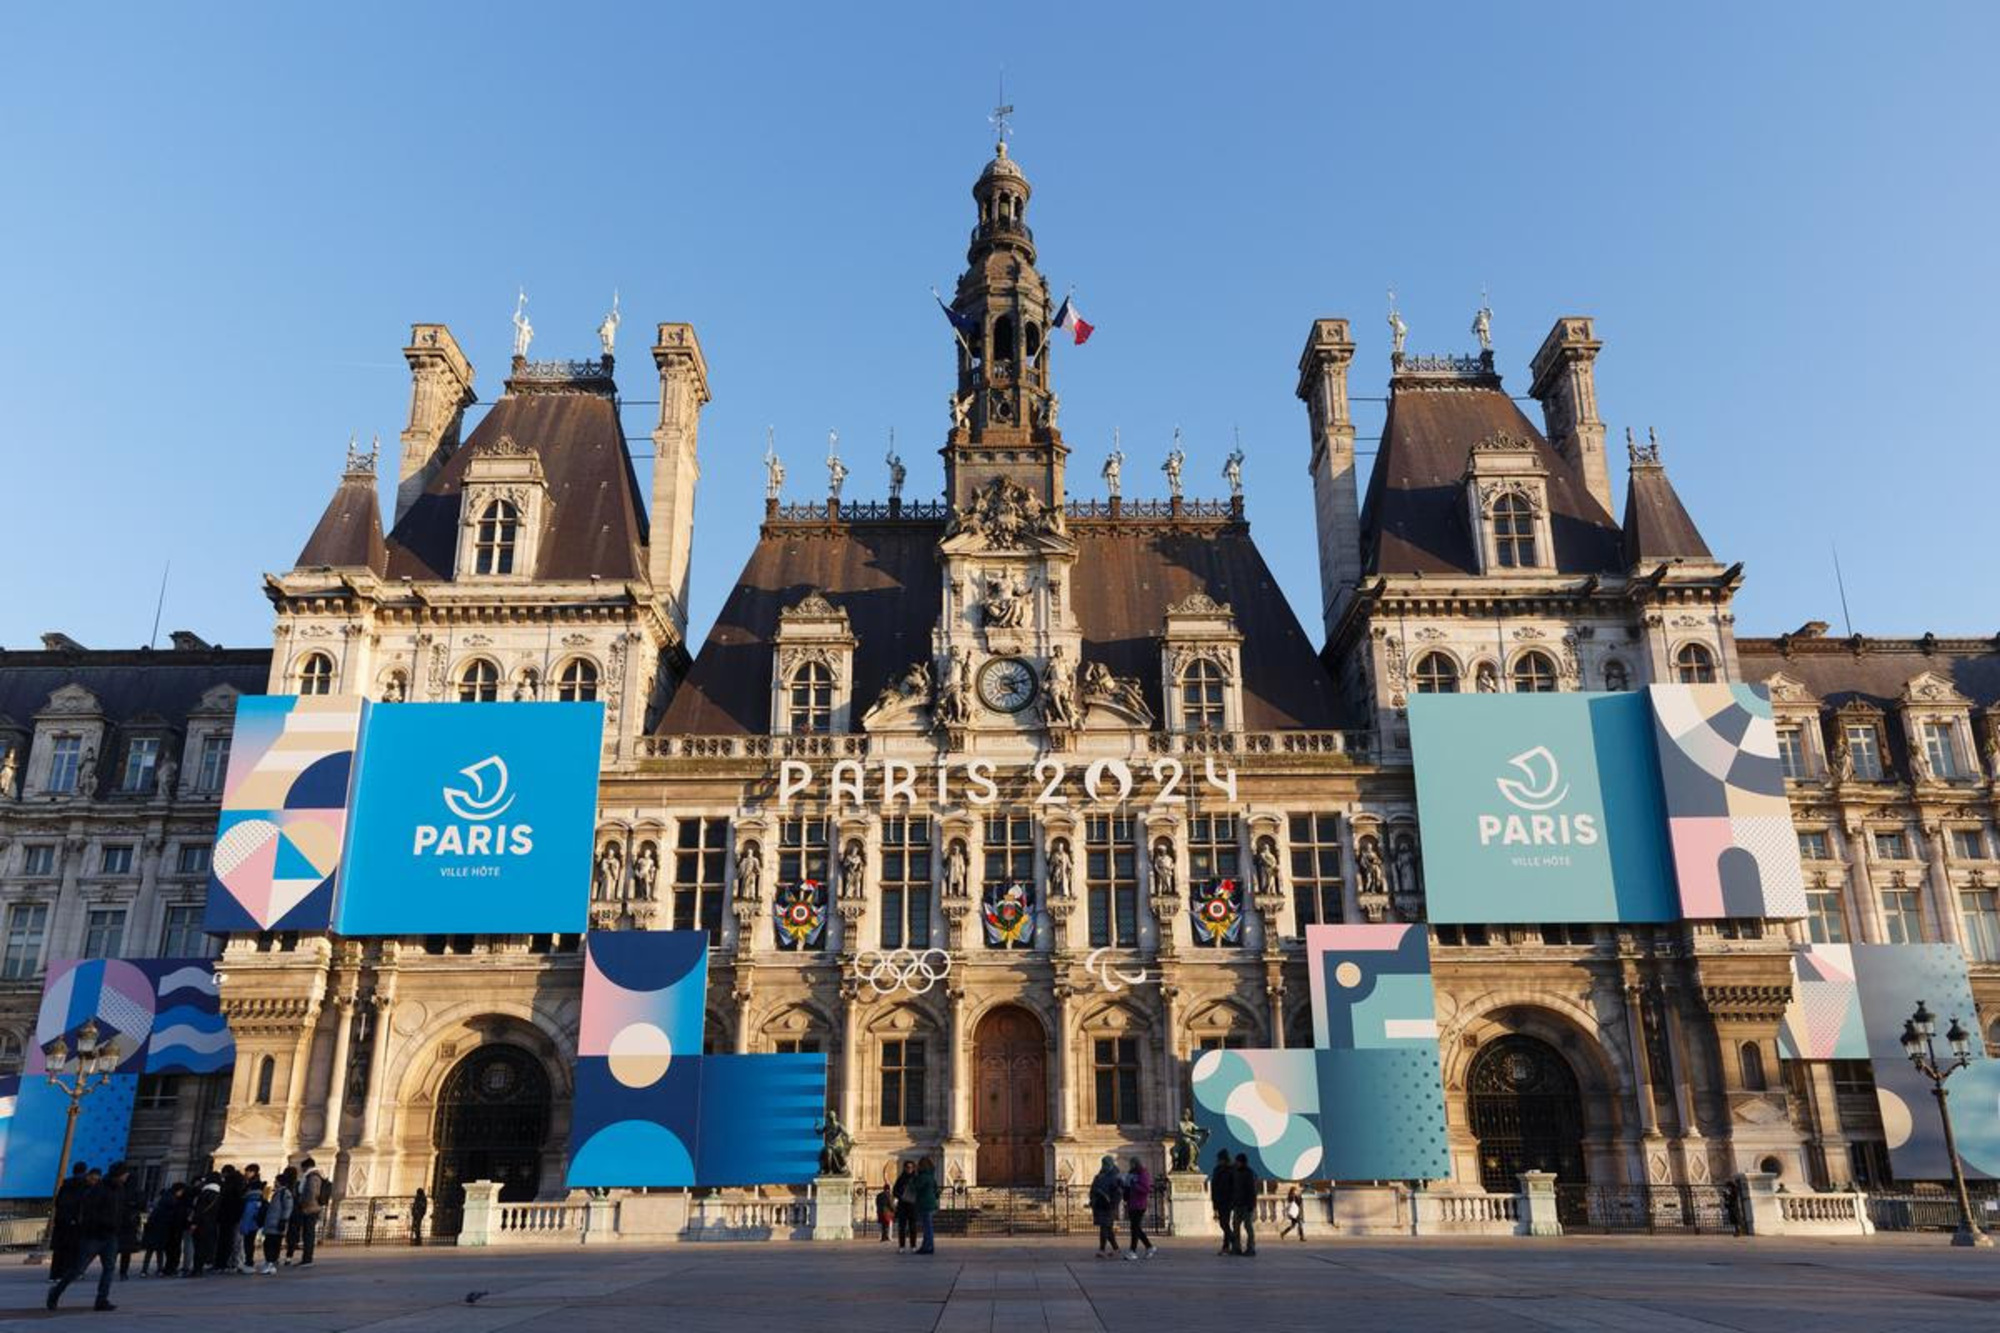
1924 1020
1917 1043
58 1055
1913 1045
1960 1039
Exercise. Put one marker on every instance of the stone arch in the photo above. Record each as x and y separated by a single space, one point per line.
1224 1015
1011 1113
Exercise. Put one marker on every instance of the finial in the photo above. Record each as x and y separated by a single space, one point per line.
358 463
774 471
524 332
607 332
1482 323
1398 330
1639 454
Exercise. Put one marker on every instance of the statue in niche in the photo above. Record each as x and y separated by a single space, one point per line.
749 873
1992 756
957 870
1408 871
1843 760
392 693
645 872
86 774
1005 605
1166 877
1062 869
961 408
1920 762
853 871
165 777
10 768
1368 865
1486 678
1059 691
610 884
954 708
1270 875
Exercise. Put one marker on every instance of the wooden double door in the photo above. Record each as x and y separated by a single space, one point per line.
1010 1097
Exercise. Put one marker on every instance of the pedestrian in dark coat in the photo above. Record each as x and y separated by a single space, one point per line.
885 1213
100 1222
128 1233
1246 1204
1222 1199
204 1222
1106 1192
419 1207
904 1196
925 1192
63 1233
228 1213
153 1236
1138 1198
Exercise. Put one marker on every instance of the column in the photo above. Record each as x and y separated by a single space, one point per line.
295 1082
371 1113
1060 1084
850 1063
336 1083
960 1067
1867 906
1170 1060
1950 929
1642 1063
1350 888
1683 1071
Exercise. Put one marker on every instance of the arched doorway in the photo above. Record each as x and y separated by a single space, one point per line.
1526 1112
492 1124
1010 1097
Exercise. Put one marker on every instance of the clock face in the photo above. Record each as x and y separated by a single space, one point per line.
1007 684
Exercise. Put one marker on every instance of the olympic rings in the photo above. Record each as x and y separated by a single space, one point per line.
902 969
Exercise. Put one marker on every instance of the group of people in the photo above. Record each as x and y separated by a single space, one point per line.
1232 1194
1109 1189
910 1205
217 1223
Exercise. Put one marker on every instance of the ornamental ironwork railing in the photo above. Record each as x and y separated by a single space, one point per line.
557 371
1356 745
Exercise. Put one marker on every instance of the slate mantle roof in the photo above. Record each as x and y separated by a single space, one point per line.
349 535
1657 525
886 575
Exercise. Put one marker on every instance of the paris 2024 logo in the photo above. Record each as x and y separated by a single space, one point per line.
477 806
1536 793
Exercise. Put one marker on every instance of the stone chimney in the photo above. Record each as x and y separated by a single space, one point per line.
676 467
1336 510
440 391
1566 386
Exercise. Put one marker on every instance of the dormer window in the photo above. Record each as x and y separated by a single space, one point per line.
65 755
1534 673
316 674
479 683
1437 674
578 682
1514 533
499 531
142 757
1694 664
811 712
1201 697
1939 748
1864 749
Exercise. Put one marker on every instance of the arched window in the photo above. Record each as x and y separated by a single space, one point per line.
267 1074
493 546
1751 1057
578 682
1694 665
1534 673
812 700
1615 676
1514 533
1201 697
316 674
479 683
1436 674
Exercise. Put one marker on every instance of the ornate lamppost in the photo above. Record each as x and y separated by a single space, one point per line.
78 1073
1919 1045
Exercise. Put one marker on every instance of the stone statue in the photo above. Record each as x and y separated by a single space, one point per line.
837 1145
836 471
1059 691
913 686
1114 469
1165 877
1409 874
1992 758
610 885
1482 325
10 769
1005 605
1232 470
524 332
954 706
86 773
1398 330
1062 869
1188 1140
392 693
749 872
164 777
645 871
524 688
1920 762
897 472
853 872
1055 408
1270 875
607 332
957 870
1099 685
1368 863
961 408
1486 678
774 471
1176 460
1843 761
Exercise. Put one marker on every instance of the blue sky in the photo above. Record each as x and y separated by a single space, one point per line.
220 222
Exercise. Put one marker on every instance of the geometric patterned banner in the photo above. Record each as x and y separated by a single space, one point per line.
1823 1021
284 813
164 1013
1891 979
34 1132
1736 853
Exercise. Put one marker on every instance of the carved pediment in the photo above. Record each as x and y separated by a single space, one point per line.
72 700
1004 515
1929 687
811 606
218 699
1198 604
1788 690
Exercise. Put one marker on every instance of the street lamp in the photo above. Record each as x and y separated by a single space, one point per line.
1922 1050
87 1068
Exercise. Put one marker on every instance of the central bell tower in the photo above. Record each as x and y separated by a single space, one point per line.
1003 409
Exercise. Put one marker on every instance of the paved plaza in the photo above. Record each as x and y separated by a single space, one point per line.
1637 1285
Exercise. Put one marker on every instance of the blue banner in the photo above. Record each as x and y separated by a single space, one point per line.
473 818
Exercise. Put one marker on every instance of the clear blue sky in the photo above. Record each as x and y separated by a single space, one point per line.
220 222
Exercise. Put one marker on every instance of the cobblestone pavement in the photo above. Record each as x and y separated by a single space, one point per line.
1633 1285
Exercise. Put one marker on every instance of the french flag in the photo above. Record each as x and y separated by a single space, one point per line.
1067 317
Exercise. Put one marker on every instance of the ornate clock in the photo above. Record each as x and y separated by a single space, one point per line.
1007 685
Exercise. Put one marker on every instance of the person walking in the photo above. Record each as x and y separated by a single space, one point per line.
1138 1198
1295 1215
903 1192
100 1222
925 1190
1222 1199
228 1212
278 1212
885 1213
173 1230
63 1231
128 1229
249 1227
204 1221
153 1236
419 1208
1106 1191
1245 1195
309 1197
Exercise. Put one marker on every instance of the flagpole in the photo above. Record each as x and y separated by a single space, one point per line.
949 313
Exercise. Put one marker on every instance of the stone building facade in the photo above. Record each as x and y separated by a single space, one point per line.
1094 709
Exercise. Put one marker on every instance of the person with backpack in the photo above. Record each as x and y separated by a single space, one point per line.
925 1191
204 1223
153 1236
1245 1195
279 1210
313 1193
885 1212
1222 1200
1295 1215
228 1212
1138 1198
1106 1191
903 1193
128 1227
243 1259
100 1223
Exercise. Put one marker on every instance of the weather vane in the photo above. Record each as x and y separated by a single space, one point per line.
1001 110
